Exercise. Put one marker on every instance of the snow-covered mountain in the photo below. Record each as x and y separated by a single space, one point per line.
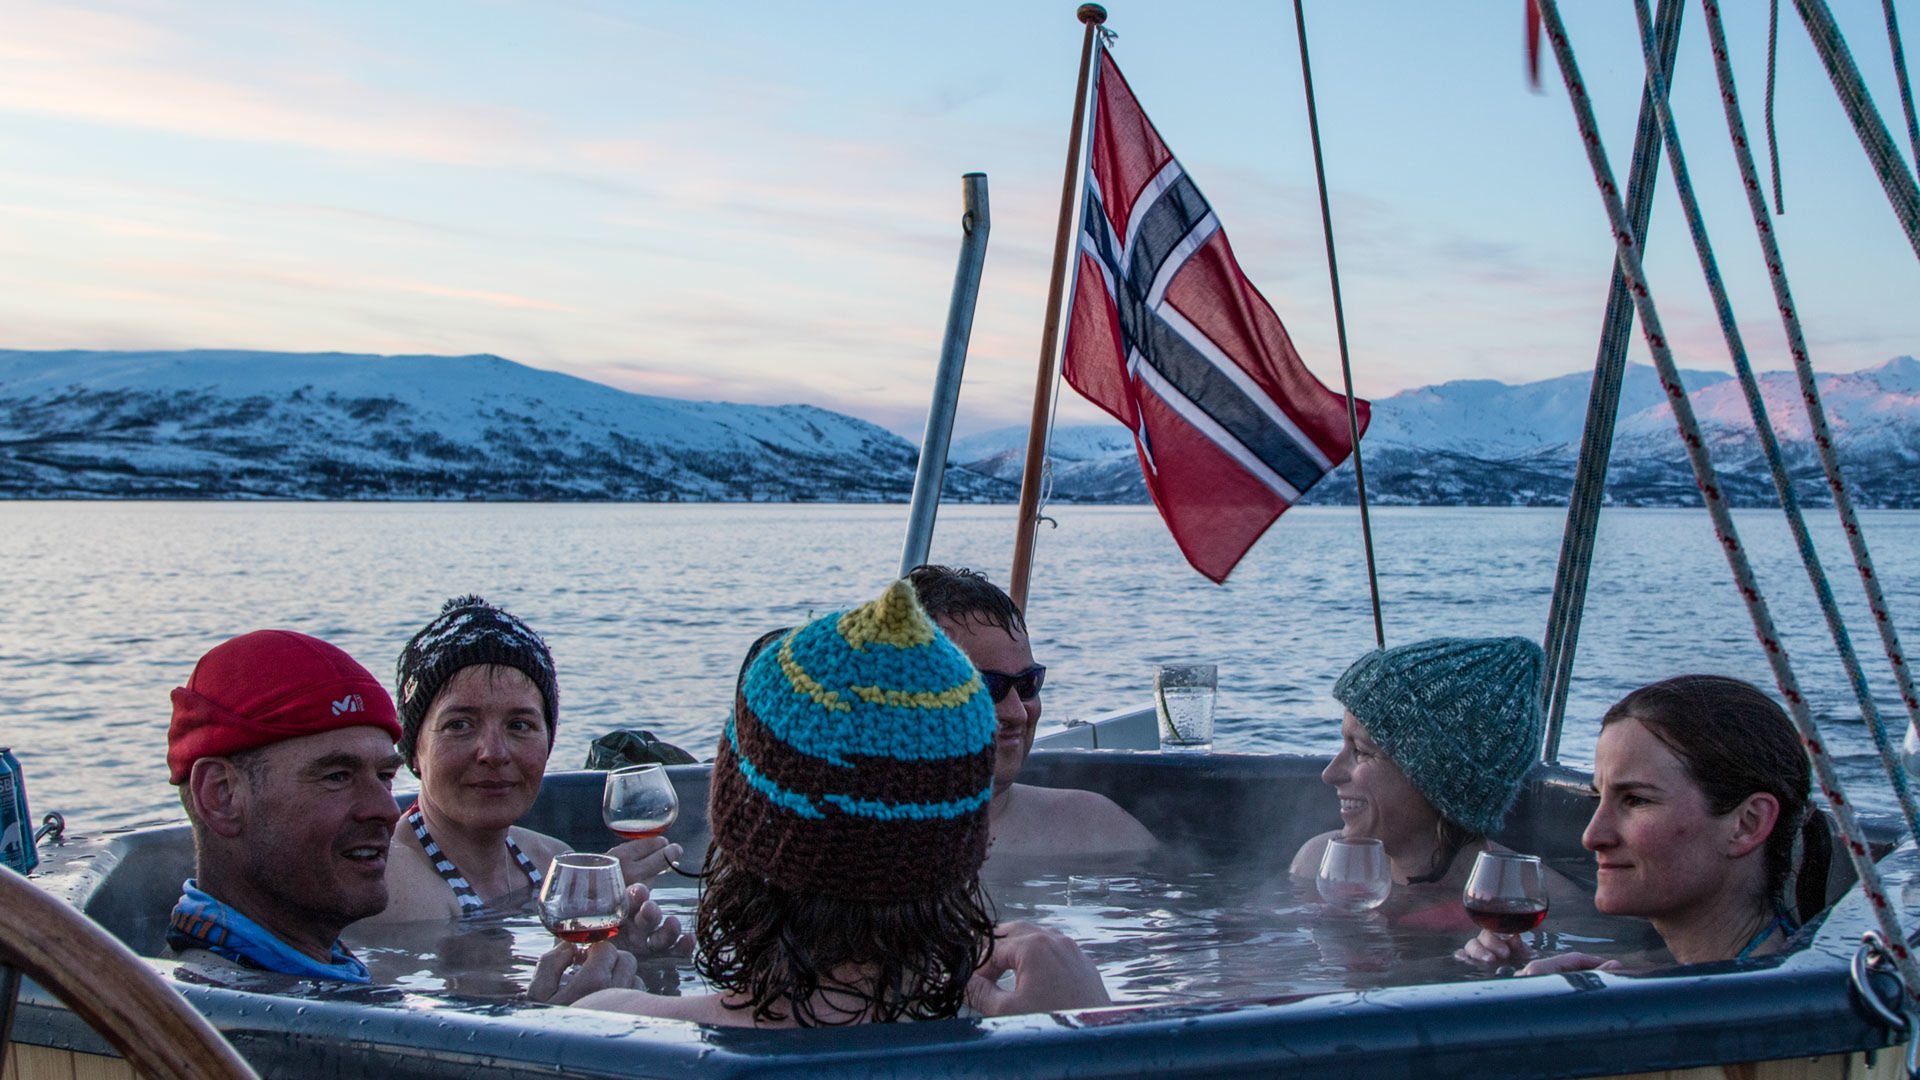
212 424
1480 442
331 425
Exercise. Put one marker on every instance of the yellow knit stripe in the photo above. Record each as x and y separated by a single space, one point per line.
920 699
804 683
895 619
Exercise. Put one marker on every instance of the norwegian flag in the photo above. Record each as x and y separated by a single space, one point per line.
1167 334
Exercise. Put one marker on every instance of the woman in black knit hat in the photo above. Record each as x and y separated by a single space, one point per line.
478 700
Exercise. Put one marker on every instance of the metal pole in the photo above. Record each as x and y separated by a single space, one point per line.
1603 407
932 473
1340 328
1092 15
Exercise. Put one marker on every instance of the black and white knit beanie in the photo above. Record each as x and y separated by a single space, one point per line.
468 631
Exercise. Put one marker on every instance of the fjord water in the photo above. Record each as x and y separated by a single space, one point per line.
649 607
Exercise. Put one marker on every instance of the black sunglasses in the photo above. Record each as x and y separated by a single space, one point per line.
1026 683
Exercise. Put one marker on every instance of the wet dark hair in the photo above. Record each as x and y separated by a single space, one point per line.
963 595
780 949
1450 839
1735 742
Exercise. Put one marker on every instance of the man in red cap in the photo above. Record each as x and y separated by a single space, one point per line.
283 749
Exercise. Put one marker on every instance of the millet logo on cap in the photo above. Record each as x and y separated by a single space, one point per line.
349 704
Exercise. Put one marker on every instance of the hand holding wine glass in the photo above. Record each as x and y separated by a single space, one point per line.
1355 875
1507 896
640 804
639 801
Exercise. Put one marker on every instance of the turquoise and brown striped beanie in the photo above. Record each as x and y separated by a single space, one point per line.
859 759
1460 716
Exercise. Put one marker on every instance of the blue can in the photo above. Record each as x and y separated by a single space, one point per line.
16 822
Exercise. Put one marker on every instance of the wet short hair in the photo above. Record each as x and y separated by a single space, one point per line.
779 949
963 595
1735 741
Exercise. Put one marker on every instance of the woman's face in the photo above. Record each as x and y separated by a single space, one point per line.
1376 798
482 749
1662 852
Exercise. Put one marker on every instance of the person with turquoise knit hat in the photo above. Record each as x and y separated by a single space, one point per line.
849 809
1435 745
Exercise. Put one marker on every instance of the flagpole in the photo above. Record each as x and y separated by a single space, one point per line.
1092 15
1340 327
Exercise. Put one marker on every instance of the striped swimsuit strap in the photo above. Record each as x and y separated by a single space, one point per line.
469 900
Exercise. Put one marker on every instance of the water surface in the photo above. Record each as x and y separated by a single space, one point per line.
649 607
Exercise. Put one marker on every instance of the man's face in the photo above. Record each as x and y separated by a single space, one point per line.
318 817
992 648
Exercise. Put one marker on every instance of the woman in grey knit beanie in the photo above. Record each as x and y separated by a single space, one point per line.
1436 742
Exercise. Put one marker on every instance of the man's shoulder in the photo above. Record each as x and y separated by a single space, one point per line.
1094 823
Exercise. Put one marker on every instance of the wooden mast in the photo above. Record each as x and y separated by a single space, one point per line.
1092 15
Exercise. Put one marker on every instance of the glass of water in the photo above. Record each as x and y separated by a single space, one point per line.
1183 695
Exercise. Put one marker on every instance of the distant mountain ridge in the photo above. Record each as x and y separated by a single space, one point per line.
233 424
1477 442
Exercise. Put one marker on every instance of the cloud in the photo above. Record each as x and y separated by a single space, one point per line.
125 71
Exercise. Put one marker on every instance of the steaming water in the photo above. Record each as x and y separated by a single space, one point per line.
1160 933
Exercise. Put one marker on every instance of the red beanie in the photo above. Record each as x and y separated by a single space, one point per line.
266 687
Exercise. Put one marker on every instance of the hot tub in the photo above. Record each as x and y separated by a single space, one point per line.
1221 810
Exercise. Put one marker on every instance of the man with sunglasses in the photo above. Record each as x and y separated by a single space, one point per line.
1024 819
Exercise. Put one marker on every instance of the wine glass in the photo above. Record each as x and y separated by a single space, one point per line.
639 801
1354 874
1507 892
584 897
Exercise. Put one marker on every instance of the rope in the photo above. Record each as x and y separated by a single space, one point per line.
1900 70
1716 503
1809 388
1340 327
1756 404
1603 406
1895 180
1773 144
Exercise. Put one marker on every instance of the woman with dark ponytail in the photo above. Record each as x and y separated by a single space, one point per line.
1703 825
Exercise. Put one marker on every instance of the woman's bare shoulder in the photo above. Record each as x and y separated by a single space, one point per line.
538 847
415 890
1306 861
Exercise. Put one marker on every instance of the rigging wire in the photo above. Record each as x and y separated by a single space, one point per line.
1655 333
1902 193
1809 387
1340 328
1900 71
1756 403
1773 50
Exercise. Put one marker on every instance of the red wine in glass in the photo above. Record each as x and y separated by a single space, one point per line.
585 930
639 801
639 828
1507 892
583 898
1507 916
